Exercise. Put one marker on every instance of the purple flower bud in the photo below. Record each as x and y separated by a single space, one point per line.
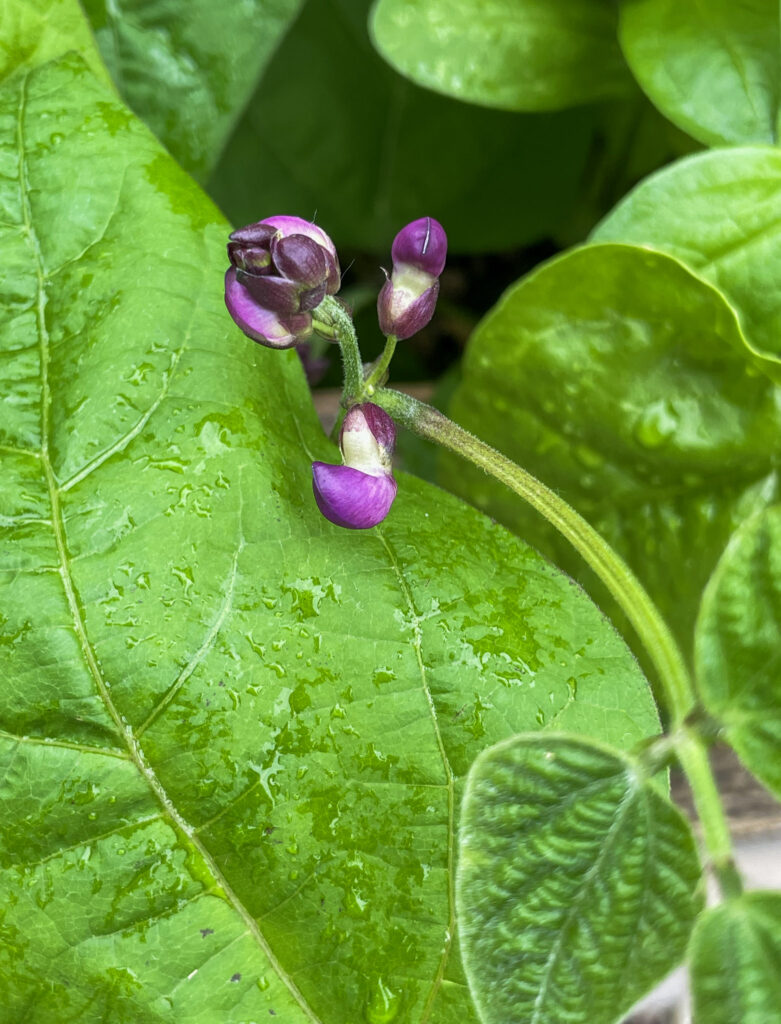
421 244
288 264
261 324
408 298
359 494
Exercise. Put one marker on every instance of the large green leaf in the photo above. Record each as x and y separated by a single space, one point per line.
188 67
736 961
577 882
712 66
512 54
621 380
738 649
232 733
333 129
35 31
720 213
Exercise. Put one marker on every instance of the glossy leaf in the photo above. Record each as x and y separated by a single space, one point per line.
621 380
720 214
713 68
386 152
188 67
512 54
736 961
232 734
35 31
739 645
577 882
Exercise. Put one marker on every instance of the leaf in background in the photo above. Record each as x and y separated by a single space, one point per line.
621 380
736 961
577 882
188 67
720 214
232 733
713 68
512 54
35 31
333 130
738 645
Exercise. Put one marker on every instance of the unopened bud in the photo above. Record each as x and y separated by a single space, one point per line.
262 325
408 298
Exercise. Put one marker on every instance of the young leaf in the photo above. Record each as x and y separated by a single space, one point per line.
713 68
736 961
512 54
232 733
577 882
738 645
720 214
386 150
622 381
188 67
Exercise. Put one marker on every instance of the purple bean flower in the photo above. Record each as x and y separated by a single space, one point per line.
408 298
359 493
281 269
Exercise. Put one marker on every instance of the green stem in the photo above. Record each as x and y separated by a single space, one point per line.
693 758
378 373
611 569
331 313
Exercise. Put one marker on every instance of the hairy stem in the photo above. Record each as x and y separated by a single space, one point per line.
378 372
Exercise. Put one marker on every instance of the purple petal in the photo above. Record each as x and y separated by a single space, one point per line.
300 259
350 498
260 324
422 244
369 416
402 313
297 226
276 294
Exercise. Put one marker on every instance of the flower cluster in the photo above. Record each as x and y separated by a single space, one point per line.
282 269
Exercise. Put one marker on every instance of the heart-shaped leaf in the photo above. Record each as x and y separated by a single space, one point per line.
713 68
577 882
622 381
332 128
512 54
738 648
719 213
188 67
736 961
232 734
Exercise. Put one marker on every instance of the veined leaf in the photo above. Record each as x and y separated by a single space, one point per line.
188 67
512 54
713 68
232 734
736 961
577 882
372 151
621 380
720 214
738 648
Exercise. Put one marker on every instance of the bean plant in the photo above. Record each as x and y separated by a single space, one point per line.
286 730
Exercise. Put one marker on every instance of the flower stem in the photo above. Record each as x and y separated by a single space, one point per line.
331 313
378 372
611 569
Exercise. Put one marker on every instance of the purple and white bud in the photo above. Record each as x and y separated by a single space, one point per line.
408 298
261 324
286 263
358 494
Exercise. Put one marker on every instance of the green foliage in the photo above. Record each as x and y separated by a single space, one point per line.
577 882
622 381
512 54
738 645
232 734
333 129
713 67
720 214
34 31
736 961
188 67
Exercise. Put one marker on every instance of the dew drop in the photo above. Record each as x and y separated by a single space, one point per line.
384 1003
